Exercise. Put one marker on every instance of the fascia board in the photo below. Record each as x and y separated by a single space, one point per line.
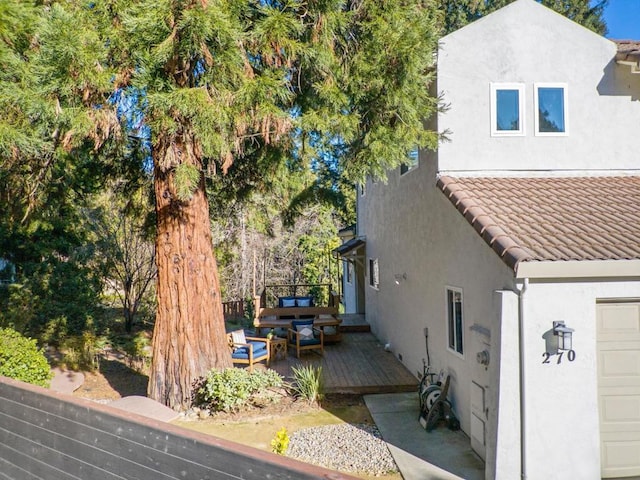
578 269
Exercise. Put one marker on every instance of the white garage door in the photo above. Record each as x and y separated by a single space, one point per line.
619 388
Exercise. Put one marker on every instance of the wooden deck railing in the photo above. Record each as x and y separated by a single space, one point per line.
233 309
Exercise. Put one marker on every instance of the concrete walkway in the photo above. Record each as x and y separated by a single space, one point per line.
420 455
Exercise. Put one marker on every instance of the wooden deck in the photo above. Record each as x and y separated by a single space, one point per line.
358 364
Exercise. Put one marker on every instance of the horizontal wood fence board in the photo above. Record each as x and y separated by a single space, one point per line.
9 471
44 435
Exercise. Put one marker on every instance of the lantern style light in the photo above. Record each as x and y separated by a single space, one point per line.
564 335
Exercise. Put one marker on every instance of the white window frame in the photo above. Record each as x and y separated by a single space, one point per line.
374 273
565 100
410 167
348 272
494 110
452 345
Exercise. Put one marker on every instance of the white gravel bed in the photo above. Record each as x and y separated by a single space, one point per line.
345 447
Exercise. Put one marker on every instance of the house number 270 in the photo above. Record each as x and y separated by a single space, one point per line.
571 356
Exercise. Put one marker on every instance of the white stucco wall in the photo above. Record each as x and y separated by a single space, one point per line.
412 228
562 401
527 43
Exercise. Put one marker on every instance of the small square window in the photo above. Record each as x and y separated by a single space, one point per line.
455 321
507 109
551 109
374 273
412 162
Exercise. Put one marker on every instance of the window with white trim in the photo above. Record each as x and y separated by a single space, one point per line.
507 109
374 273
412 162
551 114
455 320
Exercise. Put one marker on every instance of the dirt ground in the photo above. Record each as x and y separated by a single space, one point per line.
115 379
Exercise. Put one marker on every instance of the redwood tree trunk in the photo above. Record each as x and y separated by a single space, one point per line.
189 336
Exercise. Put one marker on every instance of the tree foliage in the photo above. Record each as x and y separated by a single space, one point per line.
224 86
588 13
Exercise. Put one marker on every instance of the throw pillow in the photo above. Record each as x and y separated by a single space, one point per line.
288 302
238 337
305 332
303 302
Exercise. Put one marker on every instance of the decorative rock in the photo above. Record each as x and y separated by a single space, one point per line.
345 447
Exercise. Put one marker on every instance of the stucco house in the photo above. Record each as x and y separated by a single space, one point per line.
523 226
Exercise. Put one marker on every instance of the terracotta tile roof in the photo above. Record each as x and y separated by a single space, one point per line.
628 50
551 219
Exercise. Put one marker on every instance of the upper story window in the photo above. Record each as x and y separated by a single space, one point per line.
412 163
507 109
551 109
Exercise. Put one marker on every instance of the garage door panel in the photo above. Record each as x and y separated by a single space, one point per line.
621 457
620 408
619 388
620 363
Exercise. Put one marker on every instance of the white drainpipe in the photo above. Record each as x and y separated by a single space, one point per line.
523 384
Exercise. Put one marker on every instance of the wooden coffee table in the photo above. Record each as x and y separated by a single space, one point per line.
277 347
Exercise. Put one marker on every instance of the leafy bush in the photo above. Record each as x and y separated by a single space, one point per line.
309 383
20 358
80 352
229 389
280 442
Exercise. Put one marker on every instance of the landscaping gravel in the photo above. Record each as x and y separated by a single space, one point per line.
345 447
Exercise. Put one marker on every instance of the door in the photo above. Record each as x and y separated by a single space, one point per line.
618 343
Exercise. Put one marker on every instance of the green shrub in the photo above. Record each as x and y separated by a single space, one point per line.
80 351
20 358
229 389
309 383
280 442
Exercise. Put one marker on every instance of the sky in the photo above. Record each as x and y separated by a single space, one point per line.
623 19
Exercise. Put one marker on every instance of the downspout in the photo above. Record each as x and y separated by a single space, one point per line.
523 389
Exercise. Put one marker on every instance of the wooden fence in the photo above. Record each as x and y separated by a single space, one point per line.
50 436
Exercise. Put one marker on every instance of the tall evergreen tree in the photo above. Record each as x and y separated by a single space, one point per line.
225 86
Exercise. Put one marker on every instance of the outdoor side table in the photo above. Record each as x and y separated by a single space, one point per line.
277 348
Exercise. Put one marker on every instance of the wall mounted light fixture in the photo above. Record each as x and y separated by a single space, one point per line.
400 277
564 335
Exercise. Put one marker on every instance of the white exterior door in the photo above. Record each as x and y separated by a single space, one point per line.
618 327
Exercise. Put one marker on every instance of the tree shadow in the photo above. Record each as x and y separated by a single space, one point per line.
124 379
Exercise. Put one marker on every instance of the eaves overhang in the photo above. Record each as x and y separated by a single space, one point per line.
578 269
349 248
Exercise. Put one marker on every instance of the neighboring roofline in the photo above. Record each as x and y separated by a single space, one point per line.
628 54
577 269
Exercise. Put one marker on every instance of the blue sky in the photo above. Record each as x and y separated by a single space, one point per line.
623 19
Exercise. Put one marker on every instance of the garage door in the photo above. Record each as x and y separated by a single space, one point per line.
618 327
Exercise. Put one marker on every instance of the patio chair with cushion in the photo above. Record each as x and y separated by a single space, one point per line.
247 350
304 336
